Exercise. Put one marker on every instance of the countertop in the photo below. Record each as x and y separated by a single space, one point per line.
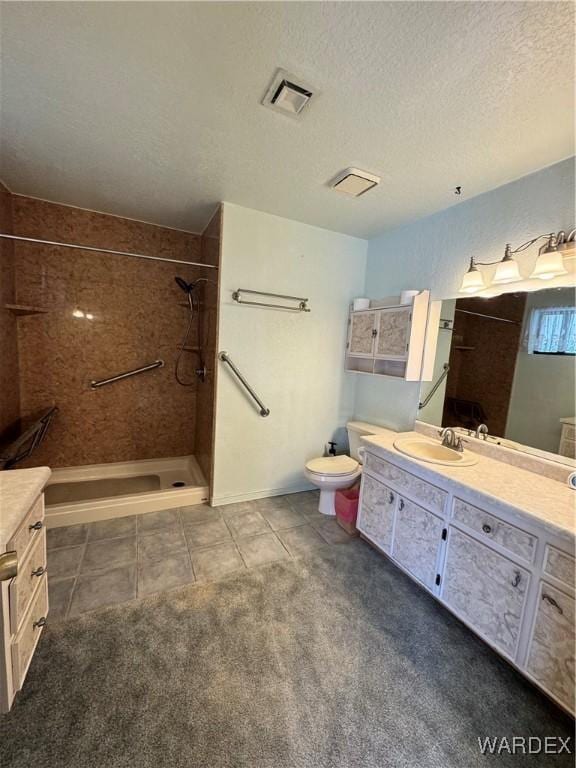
19 488
525 495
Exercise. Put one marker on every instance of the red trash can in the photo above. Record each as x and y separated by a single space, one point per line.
346 504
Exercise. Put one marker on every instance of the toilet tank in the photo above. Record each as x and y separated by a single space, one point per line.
355 431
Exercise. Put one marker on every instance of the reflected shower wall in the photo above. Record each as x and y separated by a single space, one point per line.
9 391
99 315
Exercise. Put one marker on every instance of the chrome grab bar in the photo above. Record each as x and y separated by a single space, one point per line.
302 304
127 374
226 359
432 392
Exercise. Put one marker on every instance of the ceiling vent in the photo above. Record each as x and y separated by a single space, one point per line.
287 94
354 182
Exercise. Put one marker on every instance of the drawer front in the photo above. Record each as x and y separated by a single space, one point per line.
23 586
428 494
559 565
417 537
376 518
551 652
24 644
485 589
32 525
568 432
567 448
513 539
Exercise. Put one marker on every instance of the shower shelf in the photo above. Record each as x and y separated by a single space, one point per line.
20 310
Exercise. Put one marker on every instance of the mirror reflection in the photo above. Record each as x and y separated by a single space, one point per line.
507 362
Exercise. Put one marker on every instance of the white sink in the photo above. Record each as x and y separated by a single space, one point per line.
434 453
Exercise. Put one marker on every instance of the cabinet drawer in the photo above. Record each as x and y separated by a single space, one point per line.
513 539
568 432
22 587
24 644
376 518
428 494
485 589
551 652
567 448
417 537
559 565
30 528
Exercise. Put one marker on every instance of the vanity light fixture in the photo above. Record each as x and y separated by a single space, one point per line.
549 264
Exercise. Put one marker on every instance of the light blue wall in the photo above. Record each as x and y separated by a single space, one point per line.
435 251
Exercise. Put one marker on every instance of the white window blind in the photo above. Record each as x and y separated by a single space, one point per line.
552 331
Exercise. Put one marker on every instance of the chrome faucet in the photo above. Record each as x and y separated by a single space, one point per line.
481 432
451 440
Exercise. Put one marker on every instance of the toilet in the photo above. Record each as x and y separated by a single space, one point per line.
332 473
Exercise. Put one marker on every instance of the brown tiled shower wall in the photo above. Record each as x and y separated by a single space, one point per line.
133 314
9 391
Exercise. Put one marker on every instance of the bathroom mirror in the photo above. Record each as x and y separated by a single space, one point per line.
508 362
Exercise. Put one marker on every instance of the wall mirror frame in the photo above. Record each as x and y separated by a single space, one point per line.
509 362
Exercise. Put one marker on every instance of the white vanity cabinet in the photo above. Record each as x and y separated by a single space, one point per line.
511 583
417 538
389 340
485 589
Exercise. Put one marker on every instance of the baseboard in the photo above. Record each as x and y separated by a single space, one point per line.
219 501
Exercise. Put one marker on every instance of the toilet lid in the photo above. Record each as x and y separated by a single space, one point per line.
332 465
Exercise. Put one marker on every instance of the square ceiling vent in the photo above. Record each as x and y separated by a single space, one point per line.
287 94
354 182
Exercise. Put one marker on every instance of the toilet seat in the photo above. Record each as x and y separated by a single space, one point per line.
334 466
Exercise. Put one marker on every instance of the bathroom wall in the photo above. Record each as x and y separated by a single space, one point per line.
543 391
138 315
9 393
434 253
294 361
208 329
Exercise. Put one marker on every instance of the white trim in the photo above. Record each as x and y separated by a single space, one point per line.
219 501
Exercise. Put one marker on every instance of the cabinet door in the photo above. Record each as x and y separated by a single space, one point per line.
551 651
417 536
486 589
376 516
393 333
361 339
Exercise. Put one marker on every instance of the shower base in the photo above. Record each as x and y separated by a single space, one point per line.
104 491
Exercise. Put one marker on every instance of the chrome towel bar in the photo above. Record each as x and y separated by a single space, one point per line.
226 359
430 395
302 305
127 374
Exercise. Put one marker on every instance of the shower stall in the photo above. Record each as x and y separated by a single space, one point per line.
118 340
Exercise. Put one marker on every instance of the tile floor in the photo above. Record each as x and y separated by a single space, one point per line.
112 561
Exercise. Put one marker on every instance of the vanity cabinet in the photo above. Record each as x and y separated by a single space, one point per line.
485 589
389 340
417 538
551 651
512 585
23 601
376 515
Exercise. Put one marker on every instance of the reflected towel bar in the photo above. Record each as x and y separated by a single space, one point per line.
226 359
302 305
127 374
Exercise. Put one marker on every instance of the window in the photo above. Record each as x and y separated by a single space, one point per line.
552 331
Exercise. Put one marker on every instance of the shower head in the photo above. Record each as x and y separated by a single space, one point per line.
186 287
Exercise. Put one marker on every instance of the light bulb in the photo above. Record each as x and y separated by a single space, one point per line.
507 270
473 280
549 264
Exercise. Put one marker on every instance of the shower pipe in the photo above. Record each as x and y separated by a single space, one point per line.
104 250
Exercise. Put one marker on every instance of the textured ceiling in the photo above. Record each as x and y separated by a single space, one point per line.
151 110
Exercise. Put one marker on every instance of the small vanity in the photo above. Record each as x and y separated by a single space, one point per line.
492 542
23 575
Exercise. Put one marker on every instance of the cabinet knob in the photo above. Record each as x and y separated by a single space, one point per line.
8 566
39 571
401 504
552 602
390 498
517 578
40 623
487 528
36 526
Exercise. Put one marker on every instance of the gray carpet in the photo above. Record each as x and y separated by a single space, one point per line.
332 660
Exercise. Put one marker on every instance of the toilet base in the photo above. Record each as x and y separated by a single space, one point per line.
326 505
